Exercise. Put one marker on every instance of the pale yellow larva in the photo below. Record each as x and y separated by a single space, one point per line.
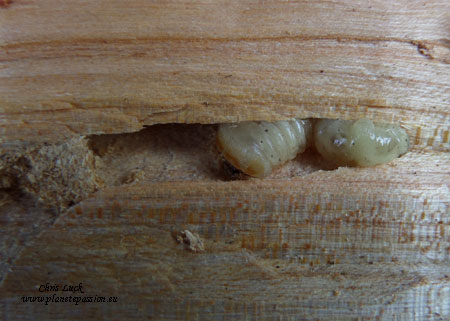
359 143
256 148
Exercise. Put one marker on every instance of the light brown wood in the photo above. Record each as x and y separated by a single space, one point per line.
327 246
310 242
76 68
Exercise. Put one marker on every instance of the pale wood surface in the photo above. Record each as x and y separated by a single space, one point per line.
111 66
327 246
310 242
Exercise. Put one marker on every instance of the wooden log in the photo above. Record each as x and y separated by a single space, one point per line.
310 242
305 243
78 68
307 248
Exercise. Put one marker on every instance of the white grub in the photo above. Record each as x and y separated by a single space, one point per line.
190 240
359 143
256 148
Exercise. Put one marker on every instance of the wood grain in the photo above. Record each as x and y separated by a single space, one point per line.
320 247
111 67
311 242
